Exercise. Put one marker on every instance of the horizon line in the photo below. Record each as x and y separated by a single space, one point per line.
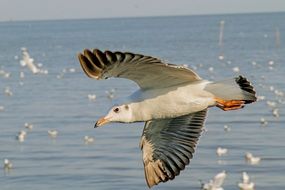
139 17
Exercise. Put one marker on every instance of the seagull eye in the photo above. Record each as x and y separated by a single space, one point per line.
116 110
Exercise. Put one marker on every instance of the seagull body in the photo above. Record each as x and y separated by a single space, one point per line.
29 126
172 100
21 136
53 133
92 97
246 184
169 102
88 140
252 160
216 183
221 151
7 164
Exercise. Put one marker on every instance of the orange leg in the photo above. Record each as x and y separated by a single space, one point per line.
227 105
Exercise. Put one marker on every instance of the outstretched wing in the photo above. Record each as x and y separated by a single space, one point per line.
147 72
169 144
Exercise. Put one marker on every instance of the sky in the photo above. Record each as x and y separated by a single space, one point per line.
78 9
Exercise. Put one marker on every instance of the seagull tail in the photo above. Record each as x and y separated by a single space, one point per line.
232 93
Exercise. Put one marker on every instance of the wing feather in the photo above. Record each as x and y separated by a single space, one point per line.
169 144
148 72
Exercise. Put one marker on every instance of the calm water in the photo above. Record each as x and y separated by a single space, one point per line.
114 160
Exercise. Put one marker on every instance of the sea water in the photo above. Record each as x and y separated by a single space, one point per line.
58 100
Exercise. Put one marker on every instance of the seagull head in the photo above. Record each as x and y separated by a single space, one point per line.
122 113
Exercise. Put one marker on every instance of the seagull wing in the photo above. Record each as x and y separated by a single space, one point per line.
219 179
169 144
148 72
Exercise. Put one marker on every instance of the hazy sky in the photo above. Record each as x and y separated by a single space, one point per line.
67 9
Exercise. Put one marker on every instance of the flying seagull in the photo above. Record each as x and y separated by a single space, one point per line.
172 101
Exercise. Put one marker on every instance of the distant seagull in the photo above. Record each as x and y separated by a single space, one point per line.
21 136
53 133
271 104
28 126
173 102
236 69
221 57
215 183
252 160
7 164
221 151
8 91
246 184
111 93
92 97
88 140
227 128
28 61
275 112
263 121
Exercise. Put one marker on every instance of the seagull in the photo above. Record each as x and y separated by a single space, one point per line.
172 101
215 183
52 133
92 97
29 126
227 128
252 160
88 140
21 136
7 164
246 184
221 151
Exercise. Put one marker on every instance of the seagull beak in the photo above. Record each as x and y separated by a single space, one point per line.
101 122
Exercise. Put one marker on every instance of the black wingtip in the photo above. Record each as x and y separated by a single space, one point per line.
246 86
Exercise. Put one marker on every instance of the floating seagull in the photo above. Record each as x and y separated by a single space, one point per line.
215 183
53 133
252 160
271 63
8 91
253 63
236 69
271 104
227 128
271 88
246 184
72 70
221 57
5 74
278 93
211 69
7 164
88 140
111 93
275 112
221 151
263 121
29 126
21 136
92 97
260 98
173 102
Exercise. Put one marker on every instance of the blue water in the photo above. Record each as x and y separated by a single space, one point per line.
114 160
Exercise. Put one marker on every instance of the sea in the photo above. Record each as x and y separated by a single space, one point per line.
252 45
